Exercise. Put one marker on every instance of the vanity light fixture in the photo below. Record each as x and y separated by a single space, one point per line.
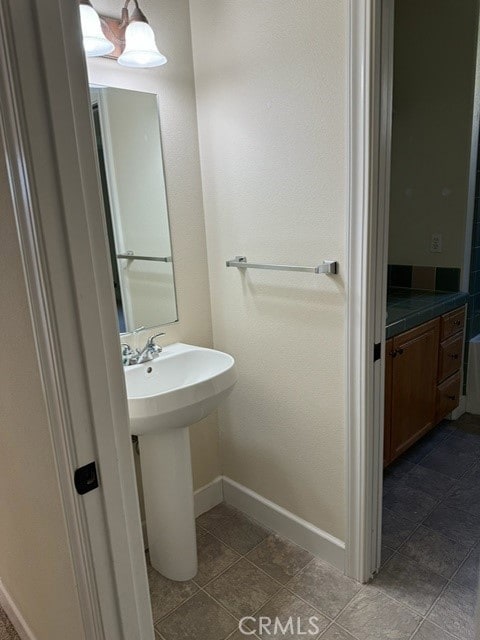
94 41
140 46
131 39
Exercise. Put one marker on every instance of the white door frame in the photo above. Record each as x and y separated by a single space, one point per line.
370 91
45 123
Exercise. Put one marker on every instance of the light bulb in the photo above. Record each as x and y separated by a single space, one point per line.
140 47
94 41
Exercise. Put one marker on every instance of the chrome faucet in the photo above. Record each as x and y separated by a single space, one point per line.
137 356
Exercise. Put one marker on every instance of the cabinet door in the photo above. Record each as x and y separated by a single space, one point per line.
387 437
414 385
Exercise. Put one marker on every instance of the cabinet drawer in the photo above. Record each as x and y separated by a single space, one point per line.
450 358
452 323
448 396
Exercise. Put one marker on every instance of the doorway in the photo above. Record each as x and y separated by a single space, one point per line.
429 555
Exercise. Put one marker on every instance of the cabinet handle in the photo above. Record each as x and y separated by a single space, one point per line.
454 356
451 397
393 353
400 351
456 323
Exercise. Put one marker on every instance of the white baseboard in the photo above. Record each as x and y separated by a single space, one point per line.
14 615
460 410
208 496
271 515
285 523
204 498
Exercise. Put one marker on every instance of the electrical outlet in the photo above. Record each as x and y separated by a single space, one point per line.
436 244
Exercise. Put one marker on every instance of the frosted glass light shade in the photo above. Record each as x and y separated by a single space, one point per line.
94 41
140 47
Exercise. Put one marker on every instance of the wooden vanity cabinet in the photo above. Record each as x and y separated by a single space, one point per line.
414 364
422 380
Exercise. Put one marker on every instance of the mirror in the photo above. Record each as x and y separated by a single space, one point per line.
127 128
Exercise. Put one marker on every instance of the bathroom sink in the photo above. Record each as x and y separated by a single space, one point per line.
166 395
181 386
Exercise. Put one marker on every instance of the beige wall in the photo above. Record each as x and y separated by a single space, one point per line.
435 50
174 83
271 94
35 565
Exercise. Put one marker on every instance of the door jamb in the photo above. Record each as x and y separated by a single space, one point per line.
45 122
370 90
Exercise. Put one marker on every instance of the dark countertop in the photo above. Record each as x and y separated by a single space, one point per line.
408 308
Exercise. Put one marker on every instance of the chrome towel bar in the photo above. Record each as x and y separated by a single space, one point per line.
129 255
328 266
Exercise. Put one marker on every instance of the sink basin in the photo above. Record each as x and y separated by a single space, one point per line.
180 387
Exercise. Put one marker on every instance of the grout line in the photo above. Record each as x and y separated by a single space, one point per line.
469 554
162 618
434 624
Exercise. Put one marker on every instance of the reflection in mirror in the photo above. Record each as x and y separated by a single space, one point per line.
129 148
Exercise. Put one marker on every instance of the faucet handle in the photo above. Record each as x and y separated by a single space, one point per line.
128 354
126 349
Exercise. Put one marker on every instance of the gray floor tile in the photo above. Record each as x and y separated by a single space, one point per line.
426 444
429 631
472 473
410 583
454 524
299 620
465 495
240 533
464 441
373 616
387 553
166 594
242 589
399 468
395 530
455 611
215 516
336 633
213 558
279 557
409 503
448 461
200 618
238 635
435 551
429 481
324 587
468 574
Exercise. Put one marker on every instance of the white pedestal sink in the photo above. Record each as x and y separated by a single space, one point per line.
166 395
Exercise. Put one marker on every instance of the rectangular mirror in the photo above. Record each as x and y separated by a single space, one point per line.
127 128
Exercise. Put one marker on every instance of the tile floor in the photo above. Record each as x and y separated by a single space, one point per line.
425 590
7 632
